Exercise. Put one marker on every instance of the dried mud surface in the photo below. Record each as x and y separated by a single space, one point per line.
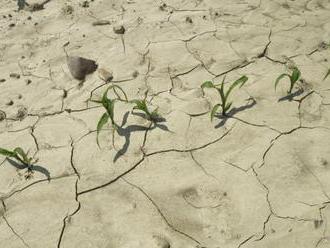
260 178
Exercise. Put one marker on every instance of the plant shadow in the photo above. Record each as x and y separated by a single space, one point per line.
127 131
37 168
290 97
234 111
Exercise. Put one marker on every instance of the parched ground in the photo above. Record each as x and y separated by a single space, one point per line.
257 179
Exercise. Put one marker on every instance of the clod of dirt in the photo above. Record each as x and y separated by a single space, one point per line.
189 20
135 74
10 103
35 7
162 7
14 75
22 112
161 242
119 29
80 67
85 4
105 75
2 115
100 23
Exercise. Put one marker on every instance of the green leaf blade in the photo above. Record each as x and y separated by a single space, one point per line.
279 78
295 75
207 84
103 120
20 152
214 110
7 153
239 82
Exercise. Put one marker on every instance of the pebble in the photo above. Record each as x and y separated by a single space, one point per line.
28 81
10 103
2 80
14 75
100 23
105 75
119 29
2 115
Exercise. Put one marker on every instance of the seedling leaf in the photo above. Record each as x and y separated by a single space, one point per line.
214 110
207 84
279 79
21 153
241 81
7 153
103 120
295 75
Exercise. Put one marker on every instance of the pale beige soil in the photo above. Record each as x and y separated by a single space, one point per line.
260 179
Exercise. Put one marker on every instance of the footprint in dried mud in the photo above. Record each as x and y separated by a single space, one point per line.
204 197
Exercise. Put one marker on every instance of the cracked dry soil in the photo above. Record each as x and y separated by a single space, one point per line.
257 179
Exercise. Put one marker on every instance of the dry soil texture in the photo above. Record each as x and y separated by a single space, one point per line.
259 178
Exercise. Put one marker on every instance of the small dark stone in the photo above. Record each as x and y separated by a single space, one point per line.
2 80
14 75
119 30
19 96
35 24
85 4
10 16
189 20
29 18
12 25
135 74
28 81
2 115
10 103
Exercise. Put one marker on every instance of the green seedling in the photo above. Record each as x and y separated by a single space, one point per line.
141 105
109 105
294 77
225 106
20 156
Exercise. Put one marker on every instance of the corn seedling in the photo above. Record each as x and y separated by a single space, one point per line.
294 77
225 105
109 105
20 156
141 105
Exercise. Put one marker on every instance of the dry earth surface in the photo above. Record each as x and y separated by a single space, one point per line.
257 179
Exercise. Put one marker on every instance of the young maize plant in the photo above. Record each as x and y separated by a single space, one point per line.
141 105
294 77
225 106
20 156
109 105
